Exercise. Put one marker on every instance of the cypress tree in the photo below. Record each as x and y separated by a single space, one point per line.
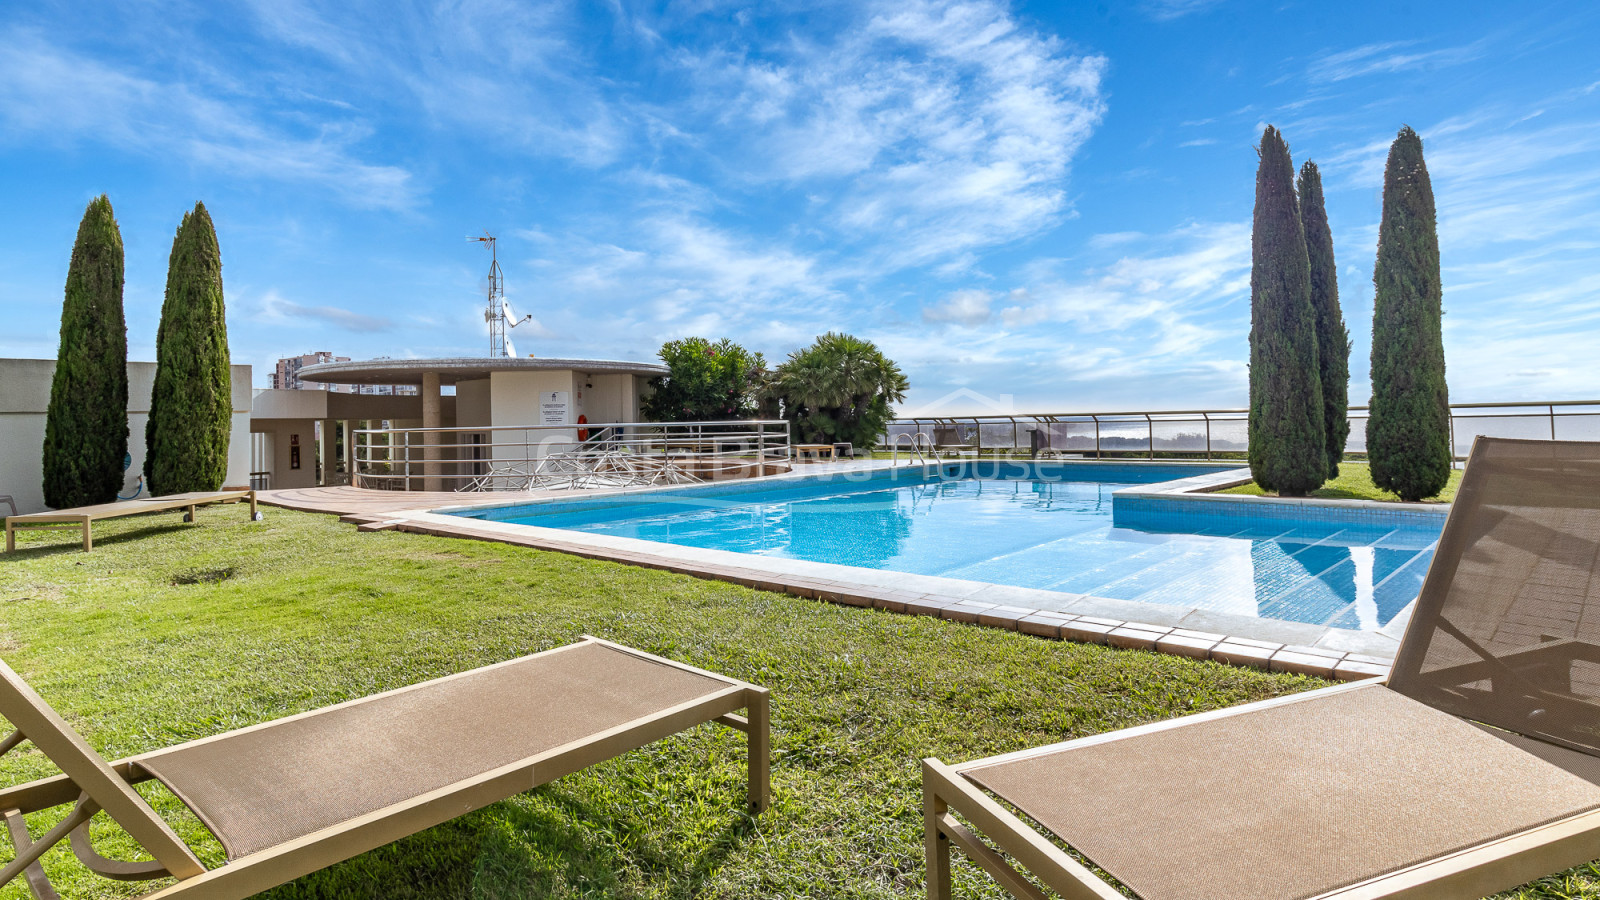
1408 434
86 428
1288 445
191 406
1333 339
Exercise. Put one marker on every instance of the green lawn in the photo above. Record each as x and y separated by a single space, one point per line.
1355 483
169 632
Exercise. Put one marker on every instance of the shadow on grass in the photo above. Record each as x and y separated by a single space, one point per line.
547 843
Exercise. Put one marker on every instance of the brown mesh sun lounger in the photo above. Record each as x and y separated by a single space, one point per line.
1474 768
84 517
292 796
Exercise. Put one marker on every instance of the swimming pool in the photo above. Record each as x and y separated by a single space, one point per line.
1036 526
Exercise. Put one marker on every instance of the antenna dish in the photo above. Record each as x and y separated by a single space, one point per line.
498 311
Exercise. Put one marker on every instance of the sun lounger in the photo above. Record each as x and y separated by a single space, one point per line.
84 517
1473 768
295 795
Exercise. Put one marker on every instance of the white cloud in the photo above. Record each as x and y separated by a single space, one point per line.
1199 268
1167 10
273 308
504 70
1388 57
925 129
669 276
58 96
968 307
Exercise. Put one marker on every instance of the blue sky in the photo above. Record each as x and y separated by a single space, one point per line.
1043 202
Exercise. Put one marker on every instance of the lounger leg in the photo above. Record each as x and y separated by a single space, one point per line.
759 737
936 847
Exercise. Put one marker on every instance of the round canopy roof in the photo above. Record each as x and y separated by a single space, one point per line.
457 369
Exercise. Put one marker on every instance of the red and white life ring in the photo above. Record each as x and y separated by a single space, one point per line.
583 433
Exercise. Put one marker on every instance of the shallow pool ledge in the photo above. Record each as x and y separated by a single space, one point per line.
1195 499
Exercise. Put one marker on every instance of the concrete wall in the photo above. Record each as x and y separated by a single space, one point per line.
25 399
472 404
280 438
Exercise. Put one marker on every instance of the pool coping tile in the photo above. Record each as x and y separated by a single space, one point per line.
1041 625
1184 645
1130 637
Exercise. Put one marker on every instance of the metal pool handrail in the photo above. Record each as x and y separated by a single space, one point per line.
916 441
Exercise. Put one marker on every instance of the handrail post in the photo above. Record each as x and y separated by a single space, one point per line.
1552 421
1096 435
1150 426
1207 417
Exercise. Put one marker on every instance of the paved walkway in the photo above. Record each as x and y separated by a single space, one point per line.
345 500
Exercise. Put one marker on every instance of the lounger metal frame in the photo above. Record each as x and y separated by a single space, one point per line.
84 517
92 784
1469 874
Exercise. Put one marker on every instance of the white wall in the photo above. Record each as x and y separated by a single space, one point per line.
25 399
608 399
514 399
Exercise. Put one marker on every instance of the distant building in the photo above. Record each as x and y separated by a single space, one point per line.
287 378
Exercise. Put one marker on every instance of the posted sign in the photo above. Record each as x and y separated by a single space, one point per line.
553 408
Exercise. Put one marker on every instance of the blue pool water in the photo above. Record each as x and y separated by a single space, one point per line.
1040 532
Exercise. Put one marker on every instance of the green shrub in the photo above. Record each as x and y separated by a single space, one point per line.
707 382
191 405
1288 444
86 428
1333 339
839 389
1408 434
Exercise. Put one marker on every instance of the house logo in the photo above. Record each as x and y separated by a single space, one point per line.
963 403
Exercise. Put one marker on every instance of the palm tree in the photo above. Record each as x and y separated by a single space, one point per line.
839 389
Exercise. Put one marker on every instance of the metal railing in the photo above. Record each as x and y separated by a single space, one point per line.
916 442
1221 433
518 457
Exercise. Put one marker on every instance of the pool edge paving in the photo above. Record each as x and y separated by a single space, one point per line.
1192 632
1184 631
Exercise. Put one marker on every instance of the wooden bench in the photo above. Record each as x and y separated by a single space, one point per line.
813 451
84 517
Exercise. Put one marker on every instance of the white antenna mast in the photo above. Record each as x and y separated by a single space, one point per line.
498 313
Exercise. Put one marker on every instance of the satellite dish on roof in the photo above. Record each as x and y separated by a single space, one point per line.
498 311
